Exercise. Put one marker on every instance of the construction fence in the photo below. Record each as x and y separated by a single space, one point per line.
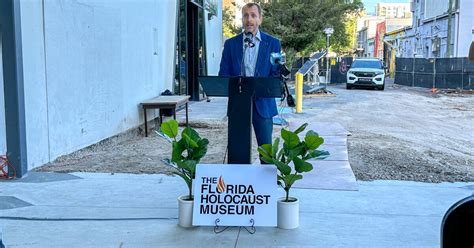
338 68
441 73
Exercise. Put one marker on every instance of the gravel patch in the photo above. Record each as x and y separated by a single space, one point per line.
375 157
401 133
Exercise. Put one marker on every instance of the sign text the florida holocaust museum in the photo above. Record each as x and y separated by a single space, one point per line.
235 194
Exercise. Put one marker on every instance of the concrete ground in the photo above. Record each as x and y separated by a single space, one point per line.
129 210
124 210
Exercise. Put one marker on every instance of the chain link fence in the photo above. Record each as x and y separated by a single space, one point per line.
441 73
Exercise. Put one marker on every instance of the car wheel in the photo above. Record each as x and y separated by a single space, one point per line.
348 86
382 87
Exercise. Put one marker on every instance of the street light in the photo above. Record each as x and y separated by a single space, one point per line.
328 31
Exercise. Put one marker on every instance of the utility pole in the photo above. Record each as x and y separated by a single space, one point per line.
328 31
449 47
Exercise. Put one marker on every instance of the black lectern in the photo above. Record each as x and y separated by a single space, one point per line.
457 229
241 91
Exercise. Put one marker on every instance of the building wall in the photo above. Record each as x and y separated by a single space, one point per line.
360 22
370 48
406 45
397 23
434 8
34 76
214 41
91 63
3 141
389 25
367 26
371 25
429 35
378 40
393 10
362 42
466 28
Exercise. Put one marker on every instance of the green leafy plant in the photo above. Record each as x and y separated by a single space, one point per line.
300 24
294 152
186 152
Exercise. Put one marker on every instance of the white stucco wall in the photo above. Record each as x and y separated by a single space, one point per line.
434 8
214 40
437 28
466 28
3 142
35 87
97 61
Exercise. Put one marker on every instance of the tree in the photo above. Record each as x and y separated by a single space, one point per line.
228 26
300 24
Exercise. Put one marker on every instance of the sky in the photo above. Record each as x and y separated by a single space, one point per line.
370 4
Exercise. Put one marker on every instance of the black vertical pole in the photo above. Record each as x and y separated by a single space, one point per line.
192 48
413 73
462 73
13 85
434 73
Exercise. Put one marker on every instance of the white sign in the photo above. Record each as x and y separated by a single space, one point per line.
235 194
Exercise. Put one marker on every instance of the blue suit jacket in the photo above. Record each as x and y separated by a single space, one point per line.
232 57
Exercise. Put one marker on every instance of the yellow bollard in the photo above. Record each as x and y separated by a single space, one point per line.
299 92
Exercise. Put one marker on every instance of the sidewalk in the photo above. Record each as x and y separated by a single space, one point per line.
128 210
103 210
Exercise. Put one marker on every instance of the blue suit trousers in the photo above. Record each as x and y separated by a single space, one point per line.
263 127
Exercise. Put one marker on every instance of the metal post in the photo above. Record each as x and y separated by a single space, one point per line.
327 60
13 85
299 92
328 31
413 73
462 73
434 73
192 48
449 48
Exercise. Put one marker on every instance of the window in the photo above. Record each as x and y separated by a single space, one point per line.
180 64
375 64
181 81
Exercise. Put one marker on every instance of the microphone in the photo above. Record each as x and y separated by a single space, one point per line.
277 59
248 43
248 39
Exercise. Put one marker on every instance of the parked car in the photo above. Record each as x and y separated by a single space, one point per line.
366 73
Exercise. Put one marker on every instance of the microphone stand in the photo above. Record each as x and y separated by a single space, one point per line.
242 67
284 74
247 43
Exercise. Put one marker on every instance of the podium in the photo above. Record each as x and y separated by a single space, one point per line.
241 92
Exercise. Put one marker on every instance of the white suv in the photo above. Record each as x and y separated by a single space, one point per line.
366 73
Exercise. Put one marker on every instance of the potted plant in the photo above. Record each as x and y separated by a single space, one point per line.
186 154
291 162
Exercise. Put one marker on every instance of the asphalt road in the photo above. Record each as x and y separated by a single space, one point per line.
402 133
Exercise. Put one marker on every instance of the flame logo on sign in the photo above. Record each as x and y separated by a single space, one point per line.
220 185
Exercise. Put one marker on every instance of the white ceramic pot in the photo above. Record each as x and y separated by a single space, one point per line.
185 214
288 213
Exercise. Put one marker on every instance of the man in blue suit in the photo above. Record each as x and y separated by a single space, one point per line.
255 64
